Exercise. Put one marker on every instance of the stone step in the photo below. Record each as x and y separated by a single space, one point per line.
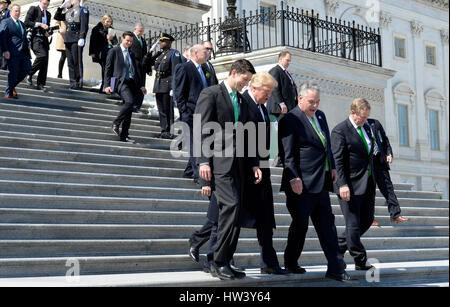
81 157
88 123
43 107
165 180
108 148
62 82
405 274
181 205
101 130
110 232
56 266
6 128
76 189
92 248
59 216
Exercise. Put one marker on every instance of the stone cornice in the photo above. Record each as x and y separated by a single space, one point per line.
191 4
440 4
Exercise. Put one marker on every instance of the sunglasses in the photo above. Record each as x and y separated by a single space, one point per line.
210 49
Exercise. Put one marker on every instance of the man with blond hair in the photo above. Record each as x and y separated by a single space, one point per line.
257 207
353 147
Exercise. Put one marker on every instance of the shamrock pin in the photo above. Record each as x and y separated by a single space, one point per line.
208 75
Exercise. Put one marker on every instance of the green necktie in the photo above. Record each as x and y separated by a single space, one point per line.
235 106
322 138
127 62
365 143
19 27
140 41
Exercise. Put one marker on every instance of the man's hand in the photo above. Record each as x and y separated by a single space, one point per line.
334 175
108 90
144 90
92 56
205 172
66 4
389 159
297 186
284 109
344 192
155 45
6 55
42 25
258 174
206 191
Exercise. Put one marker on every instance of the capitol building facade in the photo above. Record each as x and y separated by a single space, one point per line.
400 64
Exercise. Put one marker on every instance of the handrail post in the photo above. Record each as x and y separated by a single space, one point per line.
283 29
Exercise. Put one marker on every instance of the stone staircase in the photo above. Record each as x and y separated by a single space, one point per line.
69 190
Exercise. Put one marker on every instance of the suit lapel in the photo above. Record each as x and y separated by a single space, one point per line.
228 105
356 136
309 127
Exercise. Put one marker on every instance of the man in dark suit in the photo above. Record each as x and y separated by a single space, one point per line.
139 49
76 18
383 157
121 65
4 13
14 44
353 148
257 208
189 81
284 97
308 176
222 104
210 71
38 22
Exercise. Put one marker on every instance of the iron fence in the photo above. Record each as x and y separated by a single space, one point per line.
286 26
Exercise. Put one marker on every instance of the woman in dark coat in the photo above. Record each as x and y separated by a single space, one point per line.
102 39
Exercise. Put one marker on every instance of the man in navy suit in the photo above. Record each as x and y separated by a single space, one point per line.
308 176
13 39
4 13
189 81
122 76
353 147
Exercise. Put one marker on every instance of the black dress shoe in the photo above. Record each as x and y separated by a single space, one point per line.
127 140
223 272
296 269
206 267
238 273
194 253
363 267
116 130
275 271
40 87
344 277
234 267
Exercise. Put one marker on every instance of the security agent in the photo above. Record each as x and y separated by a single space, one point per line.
76 18
4 13
38 23
164 62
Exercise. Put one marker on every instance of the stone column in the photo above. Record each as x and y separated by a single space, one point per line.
417 56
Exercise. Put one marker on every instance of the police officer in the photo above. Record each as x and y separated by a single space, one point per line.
4 13
76 18
164 62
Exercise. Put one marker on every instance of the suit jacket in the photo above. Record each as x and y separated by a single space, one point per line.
208 67
214 105
187 87
303 152
12 40
285 92
257 209
164 62
115 67
34 15
352 160
384 146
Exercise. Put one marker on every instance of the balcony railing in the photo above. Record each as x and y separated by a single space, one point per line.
286 26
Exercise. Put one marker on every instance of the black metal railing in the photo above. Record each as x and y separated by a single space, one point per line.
283 27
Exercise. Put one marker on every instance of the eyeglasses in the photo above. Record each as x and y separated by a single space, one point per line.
210 49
